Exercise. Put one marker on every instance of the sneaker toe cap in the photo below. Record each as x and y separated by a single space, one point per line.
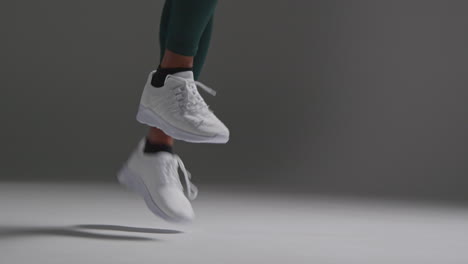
215 128
175 205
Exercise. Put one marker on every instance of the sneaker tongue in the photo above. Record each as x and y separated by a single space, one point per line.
185 75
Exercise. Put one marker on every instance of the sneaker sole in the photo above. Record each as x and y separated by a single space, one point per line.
148 117
133 182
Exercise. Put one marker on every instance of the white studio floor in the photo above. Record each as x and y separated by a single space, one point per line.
103 223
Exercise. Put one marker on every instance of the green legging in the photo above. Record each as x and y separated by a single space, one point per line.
185 29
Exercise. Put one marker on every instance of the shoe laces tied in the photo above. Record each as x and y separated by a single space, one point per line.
193 99
197 101
191 189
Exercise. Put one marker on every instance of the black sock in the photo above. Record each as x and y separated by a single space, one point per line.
160 75
152 148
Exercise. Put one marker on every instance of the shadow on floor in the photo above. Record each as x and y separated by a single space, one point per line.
74 231
130 229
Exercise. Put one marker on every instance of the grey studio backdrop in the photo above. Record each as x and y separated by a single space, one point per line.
343 97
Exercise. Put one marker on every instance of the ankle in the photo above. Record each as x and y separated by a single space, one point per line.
153 148
174 60
159 77
157 136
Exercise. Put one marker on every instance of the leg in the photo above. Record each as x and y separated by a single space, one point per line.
173 60
155 135
203 47
152 169
187 23
164 27
185 32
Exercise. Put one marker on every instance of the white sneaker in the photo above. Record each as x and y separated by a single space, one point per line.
156 179
178 109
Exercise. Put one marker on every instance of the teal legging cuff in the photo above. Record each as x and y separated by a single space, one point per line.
186 27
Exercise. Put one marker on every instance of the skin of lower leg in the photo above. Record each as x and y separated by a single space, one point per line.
174 60
157 136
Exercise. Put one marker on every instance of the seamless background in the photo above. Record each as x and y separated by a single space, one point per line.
343 97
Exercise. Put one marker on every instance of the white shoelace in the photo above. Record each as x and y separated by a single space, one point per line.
206 88
192 190
197 101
